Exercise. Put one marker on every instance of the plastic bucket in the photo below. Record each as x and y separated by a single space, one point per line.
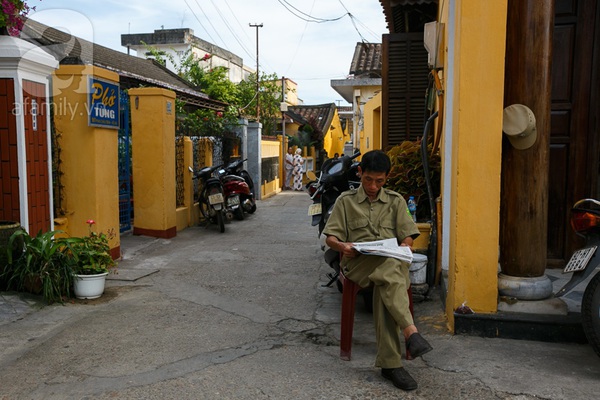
417 270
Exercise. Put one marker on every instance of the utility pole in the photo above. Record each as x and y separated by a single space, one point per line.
283 108
257 74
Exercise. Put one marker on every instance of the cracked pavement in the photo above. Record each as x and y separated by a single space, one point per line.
244 315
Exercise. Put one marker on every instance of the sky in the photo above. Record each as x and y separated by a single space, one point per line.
309 53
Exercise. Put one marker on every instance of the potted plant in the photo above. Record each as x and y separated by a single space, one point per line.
90 263
39 265
407 177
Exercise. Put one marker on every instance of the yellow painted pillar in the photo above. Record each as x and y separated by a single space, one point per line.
153 149
474 76
88 156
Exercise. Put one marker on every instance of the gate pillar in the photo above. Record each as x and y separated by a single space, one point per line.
153 166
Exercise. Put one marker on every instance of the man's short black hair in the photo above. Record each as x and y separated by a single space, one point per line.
376 161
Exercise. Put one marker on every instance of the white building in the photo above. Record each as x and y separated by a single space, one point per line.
177 42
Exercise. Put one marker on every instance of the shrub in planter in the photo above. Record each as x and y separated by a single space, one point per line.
407 175
90 254
42 267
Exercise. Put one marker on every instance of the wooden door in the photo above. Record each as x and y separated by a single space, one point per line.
36 148
9 164
574 146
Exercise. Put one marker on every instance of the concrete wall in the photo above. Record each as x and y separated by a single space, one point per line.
334 139
153 144
370 137
89 157
270 149
473 76
362 95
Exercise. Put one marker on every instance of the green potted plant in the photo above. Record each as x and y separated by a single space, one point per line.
90 262
407 177
40 265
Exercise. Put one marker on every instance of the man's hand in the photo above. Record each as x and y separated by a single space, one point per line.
345 248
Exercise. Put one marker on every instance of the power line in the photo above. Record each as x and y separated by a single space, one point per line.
304 16
300 41
353 21
230 29
208 19
200 22
374 34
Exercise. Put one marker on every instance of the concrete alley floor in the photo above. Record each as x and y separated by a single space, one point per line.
244 315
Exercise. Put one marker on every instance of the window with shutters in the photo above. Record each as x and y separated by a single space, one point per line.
404 80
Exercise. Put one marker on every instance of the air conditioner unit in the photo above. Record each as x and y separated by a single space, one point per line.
434 43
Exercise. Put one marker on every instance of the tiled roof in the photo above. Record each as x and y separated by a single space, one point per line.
394 10
366 62
320 116
70 49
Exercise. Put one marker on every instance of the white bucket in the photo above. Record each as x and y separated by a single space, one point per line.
417 270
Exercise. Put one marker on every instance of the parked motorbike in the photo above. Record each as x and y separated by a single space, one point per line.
238 189
336 176
585 221
211 198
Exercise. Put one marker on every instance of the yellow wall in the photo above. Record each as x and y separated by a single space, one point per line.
334 139
370 137
271 148
291 91
89 157
475 157
153 143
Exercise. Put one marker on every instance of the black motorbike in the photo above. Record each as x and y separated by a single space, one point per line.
211 198
585 221
336 176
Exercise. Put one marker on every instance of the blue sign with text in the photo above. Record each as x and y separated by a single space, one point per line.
103 101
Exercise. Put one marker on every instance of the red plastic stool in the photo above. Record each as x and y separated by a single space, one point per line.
350 290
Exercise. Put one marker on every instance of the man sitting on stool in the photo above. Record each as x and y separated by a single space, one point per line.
370 213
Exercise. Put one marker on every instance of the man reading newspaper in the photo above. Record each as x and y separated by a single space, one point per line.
372 213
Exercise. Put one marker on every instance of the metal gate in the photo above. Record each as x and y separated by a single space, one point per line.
125 193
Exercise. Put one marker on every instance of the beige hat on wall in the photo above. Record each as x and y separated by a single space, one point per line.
519 125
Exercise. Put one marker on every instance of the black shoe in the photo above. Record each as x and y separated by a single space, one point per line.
400 378
417 346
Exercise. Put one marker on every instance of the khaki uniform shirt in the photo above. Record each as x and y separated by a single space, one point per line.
356 219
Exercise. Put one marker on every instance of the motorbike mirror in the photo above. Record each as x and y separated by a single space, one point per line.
311 175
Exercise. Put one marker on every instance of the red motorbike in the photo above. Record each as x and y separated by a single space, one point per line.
238 189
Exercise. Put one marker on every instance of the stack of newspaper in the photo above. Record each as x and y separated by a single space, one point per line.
385 248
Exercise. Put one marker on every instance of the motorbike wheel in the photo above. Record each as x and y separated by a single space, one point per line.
250 183
239 213
590 313
205 210
221 221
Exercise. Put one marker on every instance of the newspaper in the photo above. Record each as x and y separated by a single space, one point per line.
385 248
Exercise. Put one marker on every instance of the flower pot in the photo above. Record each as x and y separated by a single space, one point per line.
89 286
422 242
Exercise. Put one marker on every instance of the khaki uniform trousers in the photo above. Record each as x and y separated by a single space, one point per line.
391 312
